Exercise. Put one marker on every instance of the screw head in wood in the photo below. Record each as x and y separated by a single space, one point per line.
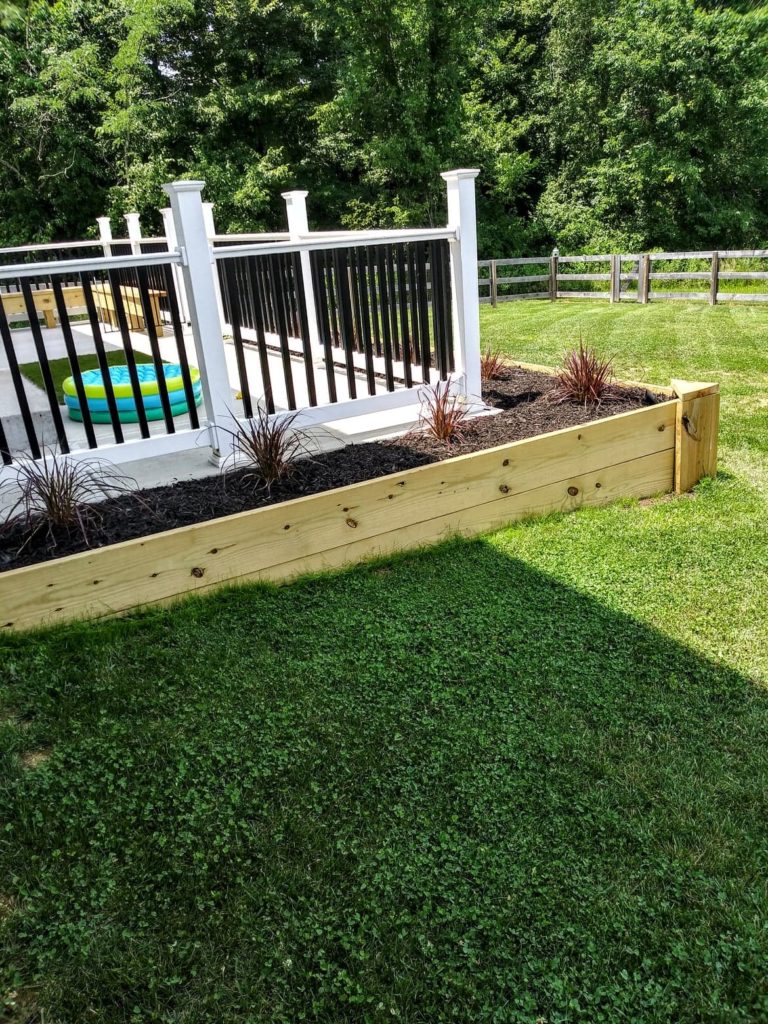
573 491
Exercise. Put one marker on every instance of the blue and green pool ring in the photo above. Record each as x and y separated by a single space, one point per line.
96 396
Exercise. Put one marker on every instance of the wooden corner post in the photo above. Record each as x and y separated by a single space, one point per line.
200 277
462 218
696 425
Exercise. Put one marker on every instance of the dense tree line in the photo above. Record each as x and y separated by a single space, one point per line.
598 125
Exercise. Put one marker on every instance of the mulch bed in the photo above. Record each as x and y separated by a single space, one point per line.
524 396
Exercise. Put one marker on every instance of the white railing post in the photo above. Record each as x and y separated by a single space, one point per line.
210 230
464 280
172 242
298 226
134 232
105 234
199 283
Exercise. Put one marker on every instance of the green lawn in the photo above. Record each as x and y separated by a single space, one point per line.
518 779
61 368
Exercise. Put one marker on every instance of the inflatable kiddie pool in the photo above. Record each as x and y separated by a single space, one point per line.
96 395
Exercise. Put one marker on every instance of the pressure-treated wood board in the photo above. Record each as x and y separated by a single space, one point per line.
627 455
697 421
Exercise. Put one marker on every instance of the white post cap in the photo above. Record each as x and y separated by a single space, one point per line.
183 186
295 194
460 173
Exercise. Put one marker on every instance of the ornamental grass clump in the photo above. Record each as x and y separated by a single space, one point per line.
443 414
585 377
267 447
60 495
491 364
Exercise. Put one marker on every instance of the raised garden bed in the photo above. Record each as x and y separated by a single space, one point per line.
534 457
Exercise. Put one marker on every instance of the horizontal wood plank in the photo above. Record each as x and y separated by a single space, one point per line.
162 566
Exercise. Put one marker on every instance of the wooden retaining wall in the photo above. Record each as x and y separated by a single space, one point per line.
635 454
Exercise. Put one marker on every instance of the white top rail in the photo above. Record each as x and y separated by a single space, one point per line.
339 240
46 246
57 267
256 236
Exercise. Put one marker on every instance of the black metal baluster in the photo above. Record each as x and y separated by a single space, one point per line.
18 385
423 310
181 348
333 297
391 288
438 328
341 263
116 294
256 273
101 356
149 325
273 263
323 319
42 358
230 283
389 373
69 344
5 451
402 301
370 258
413 304
448 304
301 306
360 268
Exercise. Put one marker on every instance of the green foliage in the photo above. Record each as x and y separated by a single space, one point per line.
634 124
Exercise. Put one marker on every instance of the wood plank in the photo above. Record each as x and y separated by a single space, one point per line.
583 295
651 474
746 275
585 259
583 277
524 279
742 296
696 427
682 275
690 296
640 478
155 568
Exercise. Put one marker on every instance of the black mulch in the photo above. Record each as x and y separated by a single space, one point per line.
523 395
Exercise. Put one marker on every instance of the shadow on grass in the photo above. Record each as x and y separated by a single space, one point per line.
443 787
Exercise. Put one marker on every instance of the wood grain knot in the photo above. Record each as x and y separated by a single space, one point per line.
198 573
662 428
504 489
352 523
690 429
505 462
573 491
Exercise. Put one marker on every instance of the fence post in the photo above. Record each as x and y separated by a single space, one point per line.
554 261
714 281
105 234
178 276
615 277
465 288
494 283
210 230
134 232
298 225
643 278
199 277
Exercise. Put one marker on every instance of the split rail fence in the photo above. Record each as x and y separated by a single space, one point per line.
617 277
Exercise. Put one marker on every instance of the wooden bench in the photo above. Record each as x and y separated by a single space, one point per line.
74 298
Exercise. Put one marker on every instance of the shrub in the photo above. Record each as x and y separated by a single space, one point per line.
585 377
56 493
491 364
268 447
443 414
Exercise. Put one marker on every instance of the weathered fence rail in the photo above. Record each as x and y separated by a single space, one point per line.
639 277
